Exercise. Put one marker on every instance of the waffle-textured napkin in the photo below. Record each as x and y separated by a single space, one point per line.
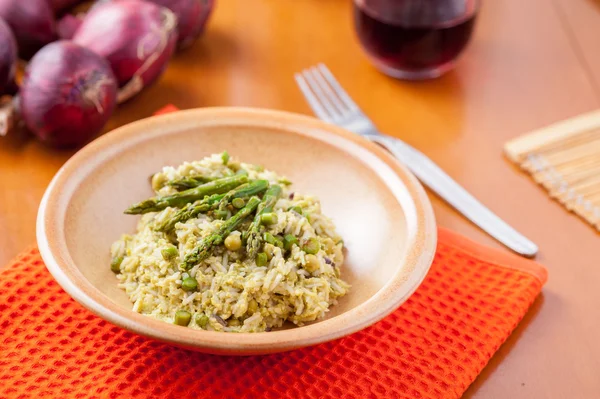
433 346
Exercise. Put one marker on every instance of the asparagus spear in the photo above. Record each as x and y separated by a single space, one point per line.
192 210
186 183
254 231
202 251
244 191
182 198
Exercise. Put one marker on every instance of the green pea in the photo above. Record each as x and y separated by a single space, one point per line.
182 318
169 252
233 242
261 259
311 246
115 264
202 320
238 203
252 306
268 218
312 263
288 241
243 172
189 284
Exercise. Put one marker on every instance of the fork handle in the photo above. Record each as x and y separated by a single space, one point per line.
453 193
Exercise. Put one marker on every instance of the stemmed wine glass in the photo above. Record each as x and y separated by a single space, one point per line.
414 39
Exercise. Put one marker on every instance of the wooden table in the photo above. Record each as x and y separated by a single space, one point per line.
530 63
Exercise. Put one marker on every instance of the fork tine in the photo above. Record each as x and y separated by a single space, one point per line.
327 91
319 93
337 87
312 101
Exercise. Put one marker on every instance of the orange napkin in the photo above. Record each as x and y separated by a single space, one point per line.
433 346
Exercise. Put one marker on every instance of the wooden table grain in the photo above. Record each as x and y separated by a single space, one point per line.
530 63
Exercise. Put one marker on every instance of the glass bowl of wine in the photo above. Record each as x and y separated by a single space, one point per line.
414 39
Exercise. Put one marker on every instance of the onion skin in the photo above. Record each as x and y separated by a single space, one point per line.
68 94
32 23
8 59
192 16
136 37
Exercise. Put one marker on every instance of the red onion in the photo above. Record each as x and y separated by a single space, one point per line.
136 37
68 25
8 59
60 5
31 21
192 16
68 94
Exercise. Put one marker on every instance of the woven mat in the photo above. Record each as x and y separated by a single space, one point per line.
564 158
433 346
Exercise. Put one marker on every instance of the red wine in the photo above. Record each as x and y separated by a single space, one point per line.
413 39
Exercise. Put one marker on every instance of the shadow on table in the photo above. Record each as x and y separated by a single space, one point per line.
16 139
151 99
505 349
216 47
20 140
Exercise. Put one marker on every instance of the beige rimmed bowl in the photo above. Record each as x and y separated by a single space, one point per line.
379 208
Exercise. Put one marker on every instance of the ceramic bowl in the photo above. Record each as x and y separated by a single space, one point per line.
379 208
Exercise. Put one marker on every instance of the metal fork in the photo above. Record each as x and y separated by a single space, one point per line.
332 104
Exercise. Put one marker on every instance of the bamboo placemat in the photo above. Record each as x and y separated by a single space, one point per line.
564 158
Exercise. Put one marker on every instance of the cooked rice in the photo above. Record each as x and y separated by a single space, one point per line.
235 293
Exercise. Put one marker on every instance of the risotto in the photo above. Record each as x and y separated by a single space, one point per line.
228 246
